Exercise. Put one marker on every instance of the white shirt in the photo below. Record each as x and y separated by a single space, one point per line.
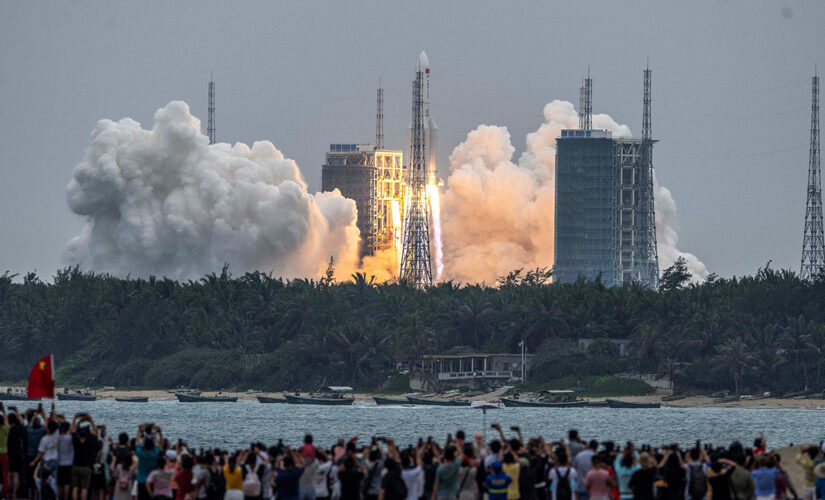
555 474
321 476
65 450
411 480
48 446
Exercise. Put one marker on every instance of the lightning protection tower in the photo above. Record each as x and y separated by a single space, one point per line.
648 250
379 118
415 244
210 127
813 245
587 118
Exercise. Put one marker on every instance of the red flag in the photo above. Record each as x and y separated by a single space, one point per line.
41 379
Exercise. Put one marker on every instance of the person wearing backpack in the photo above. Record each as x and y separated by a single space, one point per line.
216 482
563 478
697 477
392 484
251 473
124 469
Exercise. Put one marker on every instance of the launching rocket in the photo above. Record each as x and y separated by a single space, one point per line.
430 128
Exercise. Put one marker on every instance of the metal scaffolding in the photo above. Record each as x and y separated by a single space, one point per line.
210 127
813 244
647 249
416 267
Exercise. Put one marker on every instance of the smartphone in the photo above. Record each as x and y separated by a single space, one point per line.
515 428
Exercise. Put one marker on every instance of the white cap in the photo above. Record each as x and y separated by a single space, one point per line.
171 455
423 62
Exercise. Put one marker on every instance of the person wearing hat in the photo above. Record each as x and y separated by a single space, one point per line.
819 472
497 482
806 459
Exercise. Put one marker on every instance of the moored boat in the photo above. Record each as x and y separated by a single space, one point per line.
548 399
189 398
535 403
382 401
78 396
674 397
615 403
726 399
15 396
269 400
437 402
135 399
328 396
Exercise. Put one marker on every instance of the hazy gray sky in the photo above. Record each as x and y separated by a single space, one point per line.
731 94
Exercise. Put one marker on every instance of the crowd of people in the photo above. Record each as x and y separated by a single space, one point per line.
50 457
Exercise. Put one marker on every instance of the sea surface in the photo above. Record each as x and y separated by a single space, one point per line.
235 425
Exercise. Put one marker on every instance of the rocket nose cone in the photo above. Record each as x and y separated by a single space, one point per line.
423 62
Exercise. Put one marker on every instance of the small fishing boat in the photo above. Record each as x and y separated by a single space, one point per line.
615 403
327 396
548 399
135 399
10 395
674 397
76 396
382 401
270 400
189 398
726 399
437 402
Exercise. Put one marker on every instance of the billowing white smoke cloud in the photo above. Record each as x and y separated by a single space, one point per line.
666 236
165 202
498 215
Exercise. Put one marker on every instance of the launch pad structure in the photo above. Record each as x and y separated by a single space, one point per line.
605 220
416 262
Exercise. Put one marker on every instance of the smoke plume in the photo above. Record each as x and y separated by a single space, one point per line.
165 202
498 215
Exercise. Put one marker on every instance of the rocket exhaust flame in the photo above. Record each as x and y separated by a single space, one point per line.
435 210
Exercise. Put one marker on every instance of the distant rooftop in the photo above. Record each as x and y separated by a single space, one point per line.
586 134
350 148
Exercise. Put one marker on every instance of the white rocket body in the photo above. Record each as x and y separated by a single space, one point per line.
430 128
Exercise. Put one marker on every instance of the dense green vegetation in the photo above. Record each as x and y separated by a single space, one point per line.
759 333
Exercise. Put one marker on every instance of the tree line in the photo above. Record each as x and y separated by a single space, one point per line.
757 333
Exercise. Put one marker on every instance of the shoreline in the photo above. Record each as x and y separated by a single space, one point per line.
689 402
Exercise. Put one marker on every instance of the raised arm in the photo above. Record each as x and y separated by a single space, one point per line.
500 433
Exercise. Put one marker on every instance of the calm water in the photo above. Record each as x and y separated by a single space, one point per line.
236 424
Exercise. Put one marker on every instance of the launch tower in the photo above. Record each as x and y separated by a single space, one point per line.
210 127
415 244
813 244
605 221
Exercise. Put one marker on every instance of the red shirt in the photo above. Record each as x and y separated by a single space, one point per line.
183 478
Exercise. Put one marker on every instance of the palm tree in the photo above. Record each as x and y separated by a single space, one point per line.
797 340
734 353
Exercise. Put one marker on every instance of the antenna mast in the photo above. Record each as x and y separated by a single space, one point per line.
210 127
813 245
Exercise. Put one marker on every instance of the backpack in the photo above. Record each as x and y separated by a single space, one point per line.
395 489
123 478
698 482
217 485
563 489
366 485
251 485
